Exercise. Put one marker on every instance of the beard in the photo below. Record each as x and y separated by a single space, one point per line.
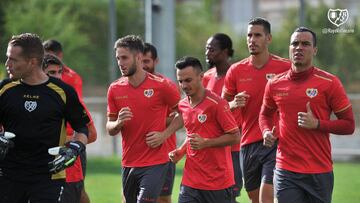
131 71
210 64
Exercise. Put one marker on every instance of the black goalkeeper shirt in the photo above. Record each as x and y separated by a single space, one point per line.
37 115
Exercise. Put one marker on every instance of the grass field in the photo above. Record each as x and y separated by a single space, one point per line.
103 181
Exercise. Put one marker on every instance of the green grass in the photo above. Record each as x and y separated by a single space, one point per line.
103 181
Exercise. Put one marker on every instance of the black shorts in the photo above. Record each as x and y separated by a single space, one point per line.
143 184
298 187
72 192
189 195
40 191
235 155
257 164
83 162
169 180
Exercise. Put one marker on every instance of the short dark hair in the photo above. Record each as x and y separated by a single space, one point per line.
263 22
53 46
31 45
224 42
305 29
50 59
150 48
132 42
189 61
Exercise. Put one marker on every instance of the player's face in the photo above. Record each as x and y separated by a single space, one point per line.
213 52
17 66
149 63
257 39
54 70
301 49
127 61
189 80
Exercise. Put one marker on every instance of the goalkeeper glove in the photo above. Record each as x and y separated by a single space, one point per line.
67 156
5 143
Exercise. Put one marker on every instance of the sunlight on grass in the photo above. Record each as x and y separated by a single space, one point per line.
103 181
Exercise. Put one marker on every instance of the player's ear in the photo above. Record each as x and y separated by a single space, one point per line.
156 61
315 51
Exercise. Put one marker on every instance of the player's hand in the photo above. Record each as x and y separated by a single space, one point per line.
240 100
197 142
124 115
67 156
154 139
269 138
5 143
176 155
307 119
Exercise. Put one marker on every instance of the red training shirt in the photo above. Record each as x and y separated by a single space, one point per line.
299 149
243 76
208 168
149 104
216 84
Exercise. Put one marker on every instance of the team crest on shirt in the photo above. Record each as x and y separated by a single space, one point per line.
270 76
30 105
311 92
149 93
202 118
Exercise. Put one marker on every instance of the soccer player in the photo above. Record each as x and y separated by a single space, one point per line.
150 60
210 128
135 95
305 97
52 66
35 107
218 51
76 173
244 88
74 187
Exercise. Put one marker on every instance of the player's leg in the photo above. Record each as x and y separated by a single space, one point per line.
217 196
268 158
288 187
319 187
72 192
84 198
235 155
166 191
151 180
251 169
129 184
47 191
11 191
189 195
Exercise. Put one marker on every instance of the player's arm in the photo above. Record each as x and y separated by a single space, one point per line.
197 142
236 101
344 125
92 132
177 154
155 139
116 123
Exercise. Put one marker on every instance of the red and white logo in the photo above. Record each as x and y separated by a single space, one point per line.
311 92
149 93
202 118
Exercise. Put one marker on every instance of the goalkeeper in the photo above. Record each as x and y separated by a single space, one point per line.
35 108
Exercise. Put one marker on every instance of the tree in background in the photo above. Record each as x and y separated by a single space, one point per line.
80 25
